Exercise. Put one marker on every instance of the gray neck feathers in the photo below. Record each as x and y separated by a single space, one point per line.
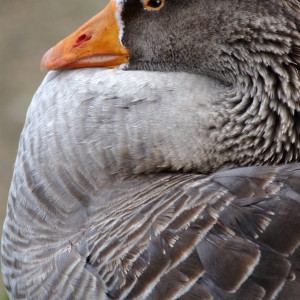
252 46
127 123
263 107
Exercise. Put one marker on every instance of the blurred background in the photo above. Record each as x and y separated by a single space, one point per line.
28 28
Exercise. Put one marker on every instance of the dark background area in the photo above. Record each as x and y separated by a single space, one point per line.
28 28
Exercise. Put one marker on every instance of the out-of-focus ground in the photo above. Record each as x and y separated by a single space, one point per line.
28 28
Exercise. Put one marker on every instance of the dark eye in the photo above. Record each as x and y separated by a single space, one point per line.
154 4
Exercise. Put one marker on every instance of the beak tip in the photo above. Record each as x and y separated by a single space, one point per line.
43 68
46 61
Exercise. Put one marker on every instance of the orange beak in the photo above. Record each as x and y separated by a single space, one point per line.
95 44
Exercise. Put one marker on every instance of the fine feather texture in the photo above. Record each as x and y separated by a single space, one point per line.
85 228
128 184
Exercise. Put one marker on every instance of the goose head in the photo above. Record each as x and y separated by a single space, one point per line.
250 48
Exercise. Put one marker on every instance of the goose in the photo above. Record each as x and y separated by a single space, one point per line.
159 156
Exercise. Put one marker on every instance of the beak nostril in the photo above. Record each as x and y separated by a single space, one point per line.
81 39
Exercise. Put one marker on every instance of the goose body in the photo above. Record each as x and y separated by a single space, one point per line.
175 177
